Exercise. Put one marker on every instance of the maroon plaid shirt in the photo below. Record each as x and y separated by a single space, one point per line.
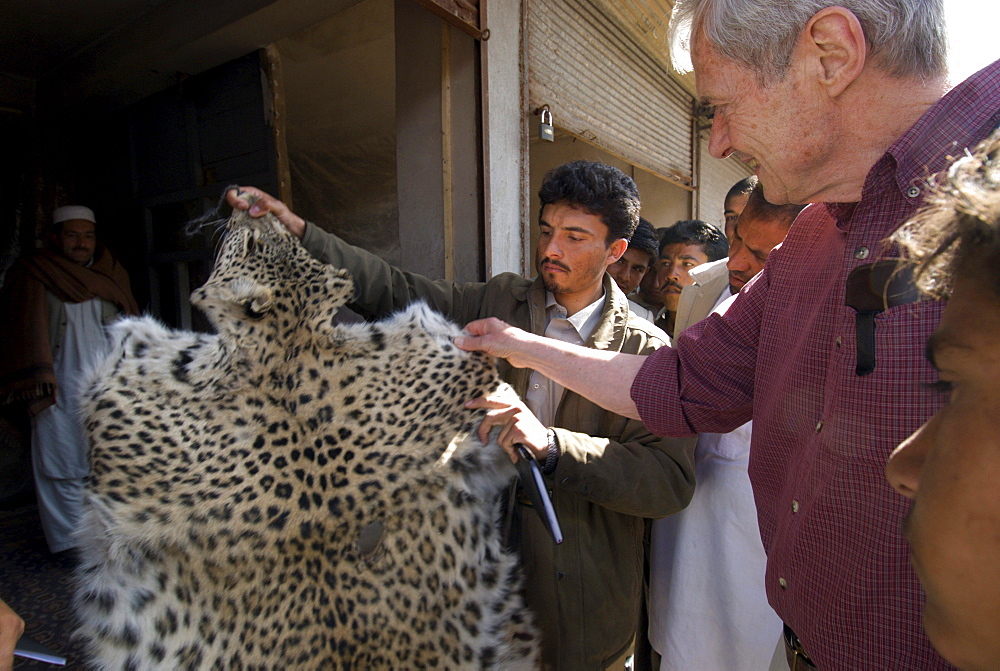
784 355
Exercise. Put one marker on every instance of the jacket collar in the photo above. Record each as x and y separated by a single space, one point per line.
708 271
609 334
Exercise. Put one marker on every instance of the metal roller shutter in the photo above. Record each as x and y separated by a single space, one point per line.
590 61
715 178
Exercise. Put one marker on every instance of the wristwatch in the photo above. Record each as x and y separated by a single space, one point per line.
552 447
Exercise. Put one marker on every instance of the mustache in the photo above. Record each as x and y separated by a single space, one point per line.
557 264
668 284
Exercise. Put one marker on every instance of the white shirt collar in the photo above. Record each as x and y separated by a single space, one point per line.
584 321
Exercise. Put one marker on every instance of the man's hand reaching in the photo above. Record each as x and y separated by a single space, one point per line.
601 376
497 338
236 198
518 425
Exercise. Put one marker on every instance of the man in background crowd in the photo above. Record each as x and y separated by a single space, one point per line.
710 284
59 301
628 271
648 294
735 201
707 561
685 246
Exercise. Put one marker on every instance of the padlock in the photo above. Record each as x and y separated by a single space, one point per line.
546 131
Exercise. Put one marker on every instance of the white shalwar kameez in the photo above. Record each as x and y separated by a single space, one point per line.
58 444
708 608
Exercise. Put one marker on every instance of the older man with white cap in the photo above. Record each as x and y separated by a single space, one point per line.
60 299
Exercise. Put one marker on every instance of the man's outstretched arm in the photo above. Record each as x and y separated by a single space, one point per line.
605 378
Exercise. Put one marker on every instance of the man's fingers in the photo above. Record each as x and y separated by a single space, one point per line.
491 402
505 440
472 339
480 343
499 417
494 337
485 326
483 432
237 197
11 628
234 200
264 203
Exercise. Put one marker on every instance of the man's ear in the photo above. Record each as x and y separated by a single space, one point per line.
616 249
834 36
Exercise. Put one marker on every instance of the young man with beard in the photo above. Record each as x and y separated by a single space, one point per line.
605 472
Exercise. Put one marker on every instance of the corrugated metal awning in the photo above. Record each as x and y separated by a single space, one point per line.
592 62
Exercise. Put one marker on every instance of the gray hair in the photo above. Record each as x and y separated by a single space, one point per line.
906 38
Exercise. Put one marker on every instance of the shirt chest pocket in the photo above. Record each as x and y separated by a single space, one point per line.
885 405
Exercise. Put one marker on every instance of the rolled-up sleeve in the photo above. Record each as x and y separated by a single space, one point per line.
705 383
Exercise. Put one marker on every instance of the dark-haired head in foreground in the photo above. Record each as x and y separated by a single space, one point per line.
951 466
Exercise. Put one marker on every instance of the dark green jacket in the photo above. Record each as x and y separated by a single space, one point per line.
612 472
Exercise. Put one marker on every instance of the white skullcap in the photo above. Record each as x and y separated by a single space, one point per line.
68 212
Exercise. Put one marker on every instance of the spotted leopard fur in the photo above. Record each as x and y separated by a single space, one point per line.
290 493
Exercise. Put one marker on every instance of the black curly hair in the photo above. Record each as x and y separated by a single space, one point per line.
697 232
597 188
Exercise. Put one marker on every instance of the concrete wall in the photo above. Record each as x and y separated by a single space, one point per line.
715 178
368 94
340 100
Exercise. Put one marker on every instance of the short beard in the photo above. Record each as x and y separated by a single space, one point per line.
550 284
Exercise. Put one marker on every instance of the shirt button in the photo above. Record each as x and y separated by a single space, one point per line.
819 426
913 192
861 253
838 341
795 506
783 583
536 386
